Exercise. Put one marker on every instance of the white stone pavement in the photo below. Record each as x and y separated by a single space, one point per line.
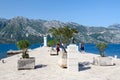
47 68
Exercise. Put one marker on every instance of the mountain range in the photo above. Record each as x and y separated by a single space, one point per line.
17 28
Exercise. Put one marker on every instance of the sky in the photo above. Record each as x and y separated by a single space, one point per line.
85 12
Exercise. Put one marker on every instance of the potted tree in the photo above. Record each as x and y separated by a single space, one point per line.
25 62
52 43
101 47
63 36
102 60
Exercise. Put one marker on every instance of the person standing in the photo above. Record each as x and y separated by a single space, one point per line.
58 48
79 47
82 48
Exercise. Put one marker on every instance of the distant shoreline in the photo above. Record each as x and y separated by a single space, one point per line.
113 49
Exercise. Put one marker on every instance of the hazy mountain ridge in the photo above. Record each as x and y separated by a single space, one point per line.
12 30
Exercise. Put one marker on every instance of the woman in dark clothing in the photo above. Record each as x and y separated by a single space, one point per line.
82 48
58 48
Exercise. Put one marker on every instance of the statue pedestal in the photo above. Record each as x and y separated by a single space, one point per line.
72 58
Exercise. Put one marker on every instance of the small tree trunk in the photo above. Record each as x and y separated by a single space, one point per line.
25 55
102 53
63 46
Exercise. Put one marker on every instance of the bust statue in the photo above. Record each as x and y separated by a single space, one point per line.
72 40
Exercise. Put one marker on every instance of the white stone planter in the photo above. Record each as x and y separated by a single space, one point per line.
26 63
103 61
62 62
53 51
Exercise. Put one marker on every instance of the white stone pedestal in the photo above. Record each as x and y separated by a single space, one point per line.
72 58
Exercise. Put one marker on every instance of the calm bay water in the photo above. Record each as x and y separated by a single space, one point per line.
112 49
6 47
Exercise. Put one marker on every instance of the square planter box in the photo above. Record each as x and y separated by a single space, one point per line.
103 61
53 51
62 61
26 63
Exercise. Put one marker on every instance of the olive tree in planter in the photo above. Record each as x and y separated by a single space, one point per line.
52 43
24 45
25 62
102 60
101 47
63 36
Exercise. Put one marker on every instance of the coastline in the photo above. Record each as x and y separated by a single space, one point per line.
47 68
113 49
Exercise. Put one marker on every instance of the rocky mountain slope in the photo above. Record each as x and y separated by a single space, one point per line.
17 28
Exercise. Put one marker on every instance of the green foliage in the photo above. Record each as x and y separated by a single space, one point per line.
52 43
63 34
23 44
101 47
67 33
55 32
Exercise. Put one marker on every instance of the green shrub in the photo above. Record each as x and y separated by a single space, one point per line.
101 47
51 43
24 45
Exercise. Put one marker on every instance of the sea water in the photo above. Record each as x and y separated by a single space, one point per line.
6 47
111 50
